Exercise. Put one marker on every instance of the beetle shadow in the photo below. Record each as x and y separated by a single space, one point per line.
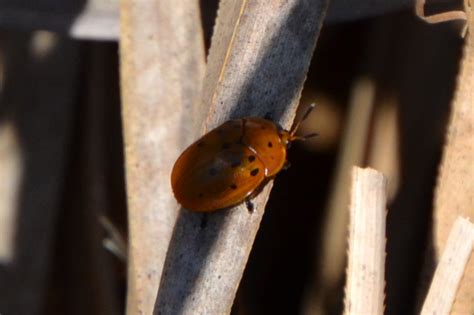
271 88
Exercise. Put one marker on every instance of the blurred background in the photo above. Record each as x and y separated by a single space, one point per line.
382 79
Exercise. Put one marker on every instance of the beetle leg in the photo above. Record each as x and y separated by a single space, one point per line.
203 221
287 165
250 206
268 116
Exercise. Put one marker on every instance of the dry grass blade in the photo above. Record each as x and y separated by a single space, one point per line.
366 266
37 97
162 66
439 17
35 134
352 149
259 58
455 189
450 269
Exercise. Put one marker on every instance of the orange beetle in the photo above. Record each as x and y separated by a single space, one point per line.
231 163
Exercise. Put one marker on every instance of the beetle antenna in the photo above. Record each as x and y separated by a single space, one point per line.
297 125
311 135
305 137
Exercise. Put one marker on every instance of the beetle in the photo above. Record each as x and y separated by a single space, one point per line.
231 163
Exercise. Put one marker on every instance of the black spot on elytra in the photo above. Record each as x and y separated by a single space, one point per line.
212 171
251 158
270 144
201 195
225 146
254 172
233 186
